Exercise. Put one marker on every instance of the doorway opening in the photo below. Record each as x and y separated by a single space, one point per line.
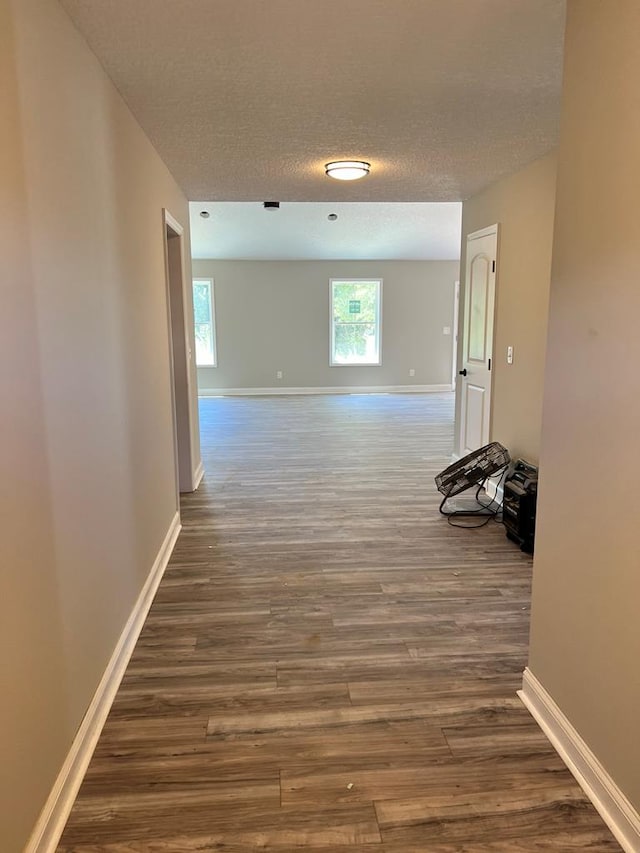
180 356
454 330
279 325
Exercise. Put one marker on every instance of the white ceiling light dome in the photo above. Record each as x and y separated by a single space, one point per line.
347 170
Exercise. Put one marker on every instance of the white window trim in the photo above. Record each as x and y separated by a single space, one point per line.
346 279
214 331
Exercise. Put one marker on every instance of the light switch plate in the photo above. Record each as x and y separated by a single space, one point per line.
446 330
509 355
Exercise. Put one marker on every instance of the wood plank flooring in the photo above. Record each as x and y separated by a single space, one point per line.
328 665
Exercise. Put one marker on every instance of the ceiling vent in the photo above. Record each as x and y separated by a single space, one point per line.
271 205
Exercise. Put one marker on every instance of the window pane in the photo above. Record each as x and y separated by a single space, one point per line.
202 301
356 311
204 344
355 301
356 342
204 322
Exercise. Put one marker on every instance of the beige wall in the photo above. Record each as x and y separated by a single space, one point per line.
523 205
32 668
87 455
585 635
274 315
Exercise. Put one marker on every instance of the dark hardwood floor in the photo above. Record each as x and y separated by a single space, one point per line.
328 665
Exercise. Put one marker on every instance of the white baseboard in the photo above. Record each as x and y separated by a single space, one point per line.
54 815
338 389
199 474
614 808
495 488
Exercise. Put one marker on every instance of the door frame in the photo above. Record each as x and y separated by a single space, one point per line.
179 342
455 333
491 318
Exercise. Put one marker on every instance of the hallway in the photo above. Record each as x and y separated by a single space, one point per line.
328 665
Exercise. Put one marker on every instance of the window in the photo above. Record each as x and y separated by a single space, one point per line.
355 321
204 322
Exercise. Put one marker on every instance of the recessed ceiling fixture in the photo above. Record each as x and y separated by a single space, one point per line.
205 214
347 170
332 217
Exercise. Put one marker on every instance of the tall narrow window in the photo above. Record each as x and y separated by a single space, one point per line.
204 318
355 321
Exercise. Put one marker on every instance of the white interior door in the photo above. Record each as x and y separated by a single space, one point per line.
477 339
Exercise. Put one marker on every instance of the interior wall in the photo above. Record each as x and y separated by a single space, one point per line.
585 631
32 667
274 315
523 204
87 448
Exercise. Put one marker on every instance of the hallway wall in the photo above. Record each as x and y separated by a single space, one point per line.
585 634
87 448
523 204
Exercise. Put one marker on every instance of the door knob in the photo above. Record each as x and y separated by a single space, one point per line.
463 372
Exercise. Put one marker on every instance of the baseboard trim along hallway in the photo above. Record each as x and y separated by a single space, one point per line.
355 389
54 815
614 808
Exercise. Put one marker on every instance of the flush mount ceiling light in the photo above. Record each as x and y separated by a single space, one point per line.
347 170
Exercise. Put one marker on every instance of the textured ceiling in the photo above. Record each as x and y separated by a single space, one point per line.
301 230
247 99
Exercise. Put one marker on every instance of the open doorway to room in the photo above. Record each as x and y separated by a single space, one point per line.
454 335
272 326
178 318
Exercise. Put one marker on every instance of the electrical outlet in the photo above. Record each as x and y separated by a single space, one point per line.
412 372
509 355
279 374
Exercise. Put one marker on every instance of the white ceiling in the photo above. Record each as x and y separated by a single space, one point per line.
299 230
247 99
